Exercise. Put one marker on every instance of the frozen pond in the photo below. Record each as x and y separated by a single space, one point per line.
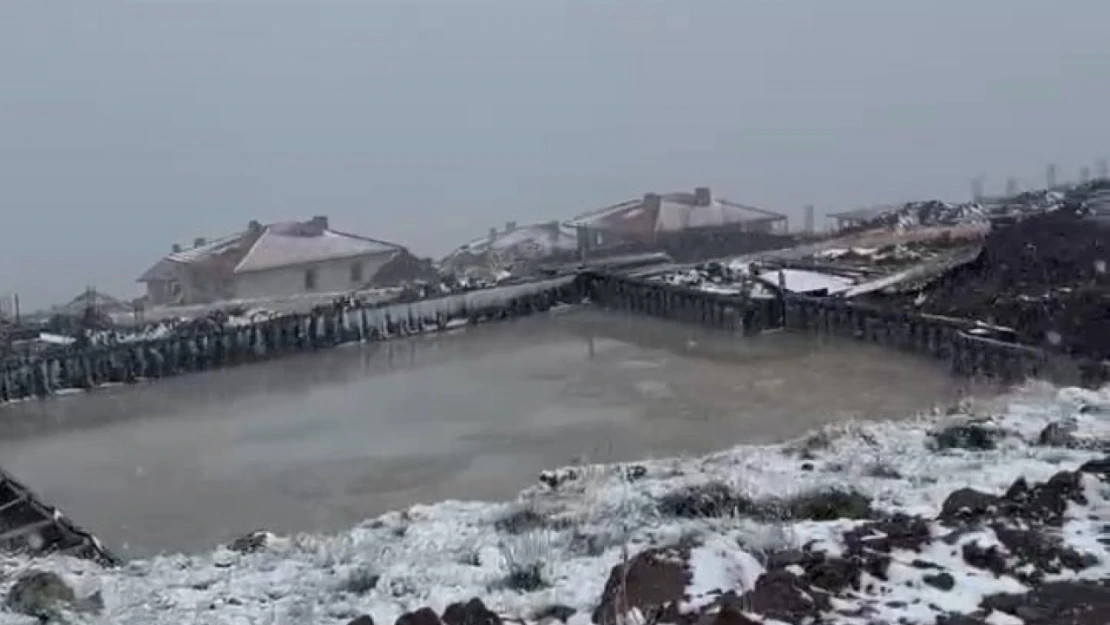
320 441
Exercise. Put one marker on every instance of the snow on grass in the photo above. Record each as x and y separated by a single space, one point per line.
581 521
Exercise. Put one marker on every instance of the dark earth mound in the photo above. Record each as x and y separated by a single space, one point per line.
1046 276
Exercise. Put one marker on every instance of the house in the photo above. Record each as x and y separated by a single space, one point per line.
90 298
264 261
515 247
669 218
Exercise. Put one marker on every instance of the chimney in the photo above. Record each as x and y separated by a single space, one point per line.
702 196
175 248
510 226
652 201
254 227
199 241
492 234
320 222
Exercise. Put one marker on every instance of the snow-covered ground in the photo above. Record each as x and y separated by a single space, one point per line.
739 528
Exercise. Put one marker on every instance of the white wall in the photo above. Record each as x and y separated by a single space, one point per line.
331 276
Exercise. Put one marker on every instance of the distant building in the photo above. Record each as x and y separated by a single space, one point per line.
275 260
860 216
646 219
512 248
90 298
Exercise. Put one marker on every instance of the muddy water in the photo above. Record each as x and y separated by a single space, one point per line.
321 441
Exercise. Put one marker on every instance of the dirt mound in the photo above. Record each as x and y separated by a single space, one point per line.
1045 276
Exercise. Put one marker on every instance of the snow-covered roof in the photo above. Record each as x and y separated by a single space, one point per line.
216 246
276 245
533 240
282 245
677 211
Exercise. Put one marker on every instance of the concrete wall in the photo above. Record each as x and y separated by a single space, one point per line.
331 276
184 285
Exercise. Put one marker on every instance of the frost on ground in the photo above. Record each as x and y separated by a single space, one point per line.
993 515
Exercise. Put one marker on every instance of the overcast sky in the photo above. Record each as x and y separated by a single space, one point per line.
127 126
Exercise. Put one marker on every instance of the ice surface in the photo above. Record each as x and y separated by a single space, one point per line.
437 554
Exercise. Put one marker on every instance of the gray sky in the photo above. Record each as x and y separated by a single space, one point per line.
126 126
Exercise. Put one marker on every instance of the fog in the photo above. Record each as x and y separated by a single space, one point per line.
127 126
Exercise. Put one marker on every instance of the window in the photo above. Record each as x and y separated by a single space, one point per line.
356 272
310 280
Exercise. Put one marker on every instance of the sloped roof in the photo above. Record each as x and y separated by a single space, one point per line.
276 245
677 211
286 244
540 238
95 299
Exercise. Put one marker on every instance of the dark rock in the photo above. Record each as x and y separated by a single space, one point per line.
1100 468
970 436
900 531
959 619
555 611
250 543
871 543
635 472
653 582
1057 434
783 559
1046 552
423 616
987 558
362 619
783 596
555 479
833 574
473 612
967 503
1044 502
940 581
727 615
41 594
1058 603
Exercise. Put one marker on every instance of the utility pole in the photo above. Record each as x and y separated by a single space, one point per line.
1011 186
1050 176
1103 169
1084 175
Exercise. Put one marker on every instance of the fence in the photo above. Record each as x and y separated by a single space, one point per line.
205 347
951 340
